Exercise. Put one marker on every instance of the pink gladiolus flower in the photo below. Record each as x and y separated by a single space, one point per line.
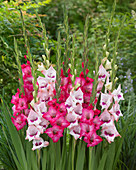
54 133
102 73
86 129
75 131
15 99
39 143
43 125
87 116
22 104
106 100
33 118
92 140
19 121
32 133
117 94
109 132
105 117
50 74
115 111
52 115
62 122
97 123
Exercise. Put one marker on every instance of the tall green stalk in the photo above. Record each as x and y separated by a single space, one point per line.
29 56
58 67
85 44
19 67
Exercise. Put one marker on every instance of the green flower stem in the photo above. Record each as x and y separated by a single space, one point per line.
73 61
19 66
85 43
58 68
46 44
38 158
66 55
95 83
29 56
109 28
115 53
90 158
73 151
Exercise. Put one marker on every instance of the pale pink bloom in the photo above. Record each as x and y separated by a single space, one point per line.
78 109
75 131
40 108
109 132
43 125
106 100
115 111
92 140
70 103
100 86
117 94
33 118
77 96
39 143
19 121
50 74
102 73
43 95
106 118
41 68
42 82
86 129
72 119
32 133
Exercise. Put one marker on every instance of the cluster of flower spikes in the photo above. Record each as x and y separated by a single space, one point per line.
84 121
109 102
21 101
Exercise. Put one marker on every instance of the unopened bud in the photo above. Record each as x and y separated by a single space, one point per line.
104 47
116 67
77 85
108 40
48 63
103 60
107 53
108 65
116 79
44 57
69 65
72 78
108 86
75 72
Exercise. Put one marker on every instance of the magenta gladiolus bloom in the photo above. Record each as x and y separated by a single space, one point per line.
54 133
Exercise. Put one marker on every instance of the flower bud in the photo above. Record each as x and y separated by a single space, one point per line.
75 72
72 78
103 60
77 85
116 79
69 65
108 65
107 53
48 63
108 86
116 67
104 47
